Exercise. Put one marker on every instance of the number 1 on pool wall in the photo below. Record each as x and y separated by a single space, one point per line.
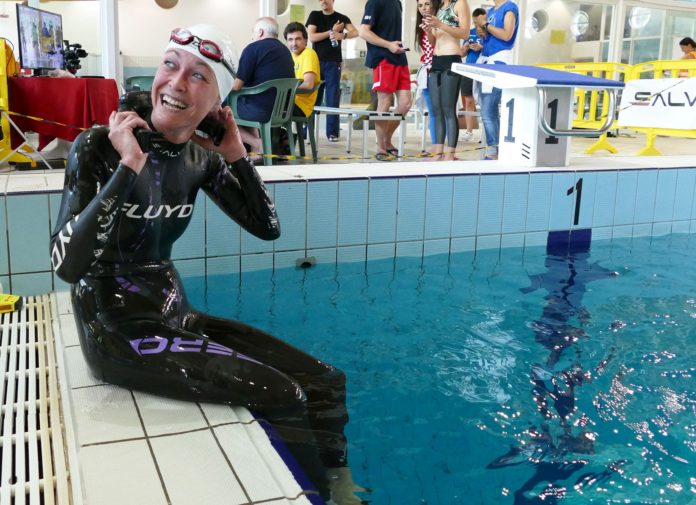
511 114
578 189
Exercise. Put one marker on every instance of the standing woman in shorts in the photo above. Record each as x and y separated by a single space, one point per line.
447 28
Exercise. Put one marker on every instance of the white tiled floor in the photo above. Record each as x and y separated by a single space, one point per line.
137 483
628 144
134 448
678 153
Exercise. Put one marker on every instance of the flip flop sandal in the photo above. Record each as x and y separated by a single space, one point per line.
393 151
383 157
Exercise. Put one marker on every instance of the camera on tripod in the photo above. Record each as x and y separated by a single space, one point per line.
71 56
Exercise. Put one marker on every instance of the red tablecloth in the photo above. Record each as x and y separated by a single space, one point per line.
78 102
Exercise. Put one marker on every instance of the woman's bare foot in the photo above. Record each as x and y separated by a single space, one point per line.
436 151
449 154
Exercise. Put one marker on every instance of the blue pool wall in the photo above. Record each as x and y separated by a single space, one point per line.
358 219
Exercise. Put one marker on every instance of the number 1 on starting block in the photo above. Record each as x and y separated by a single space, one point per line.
522 140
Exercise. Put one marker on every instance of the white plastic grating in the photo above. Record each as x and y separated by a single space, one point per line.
33 468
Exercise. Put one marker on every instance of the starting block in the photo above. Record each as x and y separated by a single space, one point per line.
536 110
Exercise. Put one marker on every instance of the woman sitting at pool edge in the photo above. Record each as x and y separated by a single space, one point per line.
121 211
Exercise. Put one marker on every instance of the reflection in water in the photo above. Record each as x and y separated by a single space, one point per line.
423 429
557 456
477 366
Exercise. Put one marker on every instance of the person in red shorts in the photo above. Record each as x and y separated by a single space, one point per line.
386 56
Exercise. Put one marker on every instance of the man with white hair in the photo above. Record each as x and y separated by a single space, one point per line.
266 58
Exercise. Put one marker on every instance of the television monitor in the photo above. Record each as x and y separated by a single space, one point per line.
40 39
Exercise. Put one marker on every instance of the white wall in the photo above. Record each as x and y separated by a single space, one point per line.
537 46
8 25
144 27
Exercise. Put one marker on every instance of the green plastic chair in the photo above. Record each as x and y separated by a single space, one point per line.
281 115
301 121
143 82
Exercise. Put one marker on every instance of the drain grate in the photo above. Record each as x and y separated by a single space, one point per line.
33 466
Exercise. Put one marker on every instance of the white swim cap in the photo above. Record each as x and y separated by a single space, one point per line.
189 40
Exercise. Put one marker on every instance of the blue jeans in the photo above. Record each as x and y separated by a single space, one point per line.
490 104
331 75
431 119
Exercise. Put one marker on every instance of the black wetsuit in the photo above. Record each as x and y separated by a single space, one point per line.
113 242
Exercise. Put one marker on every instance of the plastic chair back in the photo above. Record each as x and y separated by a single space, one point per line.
282 107
284 102
309 122
281 115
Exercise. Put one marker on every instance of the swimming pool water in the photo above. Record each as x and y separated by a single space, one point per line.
505 377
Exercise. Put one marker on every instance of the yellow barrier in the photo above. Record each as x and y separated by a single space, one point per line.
661 69
590 110
6 151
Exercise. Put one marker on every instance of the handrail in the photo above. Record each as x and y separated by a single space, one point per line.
608 120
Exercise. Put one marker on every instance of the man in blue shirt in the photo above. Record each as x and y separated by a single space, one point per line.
266 58
500 32
386 56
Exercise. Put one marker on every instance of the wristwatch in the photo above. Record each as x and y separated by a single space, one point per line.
485 27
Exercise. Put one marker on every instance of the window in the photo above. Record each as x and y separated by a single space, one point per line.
643 22
579 23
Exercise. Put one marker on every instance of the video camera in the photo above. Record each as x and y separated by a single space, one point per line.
71 56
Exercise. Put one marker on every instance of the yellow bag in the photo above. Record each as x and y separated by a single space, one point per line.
11 64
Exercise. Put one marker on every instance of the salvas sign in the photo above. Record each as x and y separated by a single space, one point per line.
659 103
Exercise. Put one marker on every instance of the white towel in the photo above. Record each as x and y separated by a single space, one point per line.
503 57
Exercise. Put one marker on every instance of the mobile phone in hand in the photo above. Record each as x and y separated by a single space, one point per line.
212 129
145 138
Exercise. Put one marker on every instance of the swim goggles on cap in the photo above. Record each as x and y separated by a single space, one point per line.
207 48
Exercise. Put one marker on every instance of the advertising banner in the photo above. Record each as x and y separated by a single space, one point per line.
659 103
